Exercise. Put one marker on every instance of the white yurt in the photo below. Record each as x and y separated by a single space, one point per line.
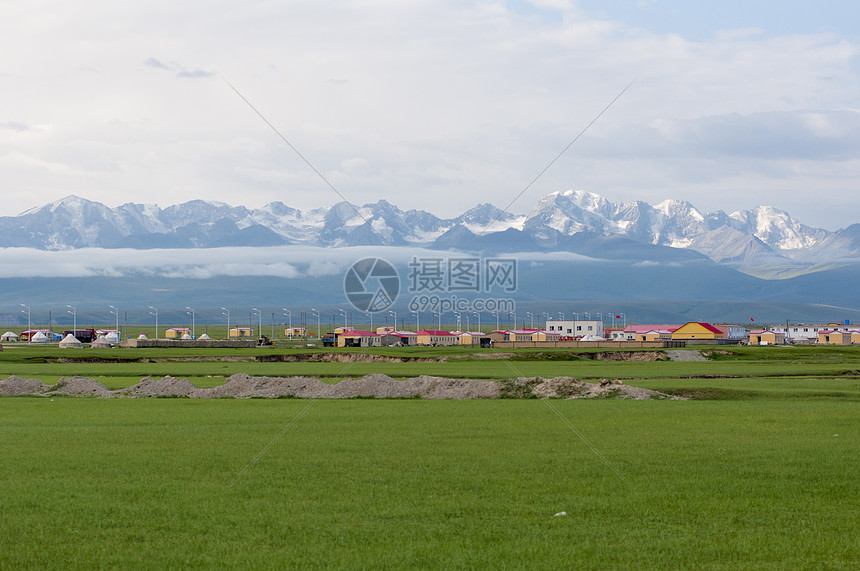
101 343
39 337
8 336
186 336
590 337
142 336
204 336
112 337
70 342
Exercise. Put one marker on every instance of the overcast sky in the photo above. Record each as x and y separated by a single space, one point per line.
437 105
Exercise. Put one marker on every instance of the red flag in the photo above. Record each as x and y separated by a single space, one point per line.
617 317
751 319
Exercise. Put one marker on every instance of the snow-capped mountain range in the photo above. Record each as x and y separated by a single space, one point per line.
560 220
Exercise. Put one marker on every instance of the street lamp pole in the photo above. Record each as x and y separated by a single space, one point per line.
479 321
155 313
29 328
115 312
417 321
260 315
394 313
74 313
191 313
290 315
225 311
318 322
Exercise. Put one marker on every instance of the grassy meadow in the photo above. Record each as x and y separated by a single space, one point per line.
757 471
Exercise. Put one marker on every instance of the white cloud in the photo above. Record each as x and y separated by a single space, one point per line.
278 261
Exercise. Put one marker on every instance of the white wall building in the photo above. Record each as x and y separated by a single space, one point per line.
575 328
801 332
734 331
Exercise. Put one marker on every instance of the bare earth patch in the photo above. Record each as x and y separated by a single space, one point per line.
686 355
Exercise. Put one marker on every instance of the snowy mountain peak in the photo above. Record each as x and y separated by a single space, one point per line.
587 200
673 208
739 237
777 228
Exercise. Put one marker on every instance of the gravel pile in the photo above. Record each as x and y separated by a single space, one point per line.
559 387
617 389
375 386
164 387
244 386
80 386
445 388
14 386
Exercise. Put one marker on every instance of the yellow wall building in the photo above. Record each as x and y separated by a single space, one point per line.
430 337
697 330
766 338
545 336
829 337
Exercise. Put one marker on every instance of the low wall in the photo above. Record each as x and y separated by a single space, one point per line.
713 341
586 344
207 343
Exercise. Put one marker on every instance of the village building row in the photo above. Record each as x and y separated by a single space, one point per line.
555 331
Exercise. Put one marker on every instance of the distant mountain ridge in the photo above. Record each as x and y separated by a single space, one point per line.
576 221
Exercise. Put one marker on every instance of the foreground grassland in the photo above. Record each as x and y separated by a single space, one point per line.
428 484
759 471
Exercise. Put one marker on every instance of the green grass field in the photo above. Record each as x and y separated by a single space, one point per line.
759 472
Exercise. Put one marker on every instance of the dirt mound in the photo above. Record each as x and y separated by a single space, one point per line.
569 388
14 386
617 389
245 386
375 385
164 387
558 387
445 388
371 386
80 386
